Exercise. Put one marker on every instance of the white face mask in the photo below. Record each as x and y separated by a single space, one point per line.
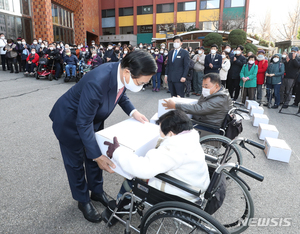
58 47
2 38
132 86
141 46
34 42
161 51
163 47
110 47
51 48
238 52
79 47
227 50
10 44
101 47
93 43
176 45
283 56
251 62
125 52
149 48
40 41
200 51
275 60
156 52
152 51
19 42
165 54
206 92
42 46
24 42
223 56
213 51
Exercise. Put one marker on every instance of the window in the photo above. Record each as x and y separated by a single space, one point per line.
109 31
126 11
2 24
126 30
54 14
185 27
143 10
25 7
186 6
145 29
209 4
19 27
108 13
208 25
234 3
162 8
11 28
63 34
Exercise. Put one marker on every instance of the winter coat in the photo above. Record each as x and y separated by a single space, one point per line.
96 61
180 156
13 53
261 72
33 58
191 70
236 67
211 109
36 47
71 60
159 61
225 68
291 68
199 64
251 83
3 43
277 69
54 53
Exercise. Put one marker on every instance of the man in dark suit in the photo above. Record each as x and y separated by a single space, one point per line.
177 68
81 112
213 61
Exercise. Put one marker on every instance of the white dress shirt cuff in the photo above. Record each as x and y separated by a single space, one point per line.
131 113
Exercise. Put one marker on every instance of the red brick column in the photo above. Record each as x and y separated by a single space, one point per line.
197 13
80 32
221 15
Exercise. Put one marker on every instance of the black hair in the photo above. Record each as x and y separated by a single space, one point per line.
34 39
228 45
241 47
176 121
110 43
9 40
214 78
214 45
177 37
139 63
1 34
251 56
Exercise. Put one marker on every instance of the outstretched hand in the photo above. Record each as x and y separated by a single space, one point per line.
111 147
105 163
169 104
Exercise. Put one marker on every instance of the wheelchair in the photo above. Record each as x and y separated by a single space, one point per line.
226 207
78 74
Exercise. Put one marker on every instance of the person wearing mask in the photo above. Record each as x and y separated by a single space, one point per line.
249 54
163 46
156 78
42 50
82 111
229 51
19 51
96 60
163 70
248 81
262 65
93 43
213 61
126 51
24 54
225 67
233 78
40 41
292 66
70 61
3 43
31 62
199 60
78 51
11 56
35 45
54 54
141 46
109 53
283 59
117 55
274 74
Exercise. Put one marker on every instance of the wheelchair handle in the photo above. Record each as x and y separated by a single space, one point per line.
243 110
250 173
253 143
211 158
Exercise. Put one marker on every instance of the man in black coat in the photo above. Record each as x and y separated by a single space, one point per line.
177 68
213 61
237 63
54 55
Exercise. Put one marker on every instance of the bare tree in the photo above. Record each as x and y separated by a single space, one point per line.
265 26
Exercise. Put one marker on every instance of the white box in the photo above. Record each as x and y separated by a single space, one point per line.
250 103
267 130
277 149
131 134
259 118
162 110
154 118
256 109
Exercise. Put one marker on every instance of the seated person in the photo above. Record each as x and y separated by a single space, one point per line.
31 62
95 59
70 60
213 104
178 154
54 54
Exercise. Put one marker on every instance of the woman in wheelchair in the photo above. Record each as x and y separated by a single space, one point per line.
178 154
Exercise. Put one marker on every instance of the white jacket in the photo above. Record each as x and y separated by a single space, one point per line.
224 70
179 156
2 45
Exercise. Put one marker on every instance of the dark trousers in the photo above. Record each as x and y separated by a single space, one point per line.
11 62
234 87
286 90
276 88
24 62
188 86
81 178
250 92
57 69
297 98
30 67
176 88
19 60
3 62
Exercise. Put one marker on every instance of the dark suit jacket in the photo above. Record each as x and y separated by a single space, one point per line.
82 110
217 64
179 68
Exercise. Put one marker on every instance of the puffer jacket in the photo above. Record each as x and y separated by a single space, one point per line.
277 69
291 68
199 64
251 74
262 67
211 109
12 53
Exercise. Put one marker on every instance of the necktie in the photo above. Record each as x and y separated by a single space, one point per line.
213 57
174 56
119 93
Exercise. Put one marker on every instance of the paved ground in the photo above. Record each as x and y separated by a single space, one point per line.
35 196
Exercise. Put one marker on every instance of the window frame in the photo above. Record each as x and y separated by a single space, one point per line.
121 11
160 6
140 12
183 6
202 1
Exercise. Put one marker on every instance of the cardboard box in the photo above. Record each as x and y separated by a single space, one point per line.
277 149
267 130
256 109
250 103
259 118
131 134
154 118
162 110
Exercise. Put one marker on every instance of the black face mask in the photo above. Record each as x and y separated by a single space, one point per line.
117 51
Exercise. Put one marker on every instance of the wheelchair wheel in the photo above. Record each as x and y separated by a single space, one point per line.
50 77
177 217
237 209
216 145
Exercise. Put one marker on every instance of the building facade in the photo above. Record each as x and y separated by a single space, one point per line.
71 21
149 19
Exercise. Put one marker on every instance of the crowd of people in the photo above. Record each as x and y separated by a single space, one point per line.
240 73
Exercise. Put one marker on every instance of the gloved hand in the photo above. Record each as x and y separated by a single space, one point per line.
111 147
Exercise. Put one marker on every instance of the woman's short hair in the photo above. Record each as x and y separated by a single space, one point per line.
176 121
250 57
139 63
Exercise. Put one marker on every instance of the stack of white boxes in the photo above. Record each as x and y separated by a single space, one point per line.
277 149
256 109
250 103
259 118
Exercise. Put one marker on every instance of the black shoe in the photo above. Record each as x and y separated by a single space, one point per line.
67 79
294 105
266 104
100 197
55 78
11 71
187 95
275 107
168 91
89 212
285 106
16 72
